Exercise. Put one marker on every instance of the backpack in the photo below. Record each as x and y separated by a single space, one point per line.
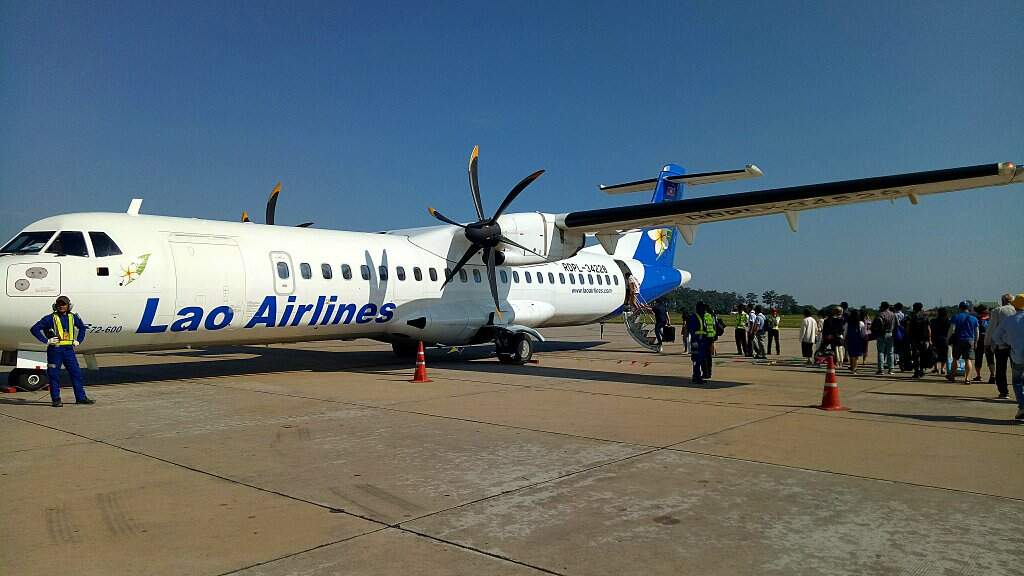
876 329
897 333
719 326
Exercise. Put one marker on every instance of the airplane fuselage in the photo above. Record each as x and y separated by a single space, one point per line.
183 282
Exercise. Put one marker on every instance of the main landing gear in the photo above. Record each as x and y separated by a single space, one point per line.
29 380
513 347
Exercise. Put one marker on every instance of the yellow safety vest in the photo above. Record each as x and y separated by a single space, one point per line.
707 326
741 320
66 338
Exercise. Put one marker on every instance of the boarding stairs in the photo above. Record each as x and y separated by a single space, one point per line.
639 322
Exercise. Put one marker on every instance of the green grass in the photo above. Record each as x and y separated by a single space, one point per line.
788 321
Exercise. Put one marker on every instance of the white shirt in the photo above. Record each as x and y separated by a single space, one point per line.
996 317
809 330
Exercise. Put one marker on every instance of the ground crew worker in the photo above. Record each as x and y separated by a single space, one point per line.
703 330
62 332
741 331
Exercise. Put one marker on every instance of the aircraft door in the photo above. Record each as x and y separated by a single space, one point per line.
209 273
284 273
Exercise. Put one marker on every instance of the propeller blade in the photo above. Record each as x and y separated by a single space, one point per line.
515 192
272 203
462 262
474 183
304 225
245 216
489 258
443 218
505 240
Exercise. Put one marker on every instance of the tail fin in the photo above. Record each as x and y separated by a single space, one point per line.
655 246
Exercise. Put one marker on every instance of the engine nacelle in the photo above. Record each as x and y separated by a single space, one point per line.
537 231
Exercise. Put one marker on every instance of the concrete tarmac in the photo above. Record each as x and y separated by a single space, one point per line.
322 458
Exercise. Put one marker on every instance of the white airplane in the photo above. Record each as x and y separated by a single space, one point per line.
145 282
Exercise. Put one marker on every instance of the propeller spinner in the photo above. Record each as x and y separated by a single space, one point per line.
485 234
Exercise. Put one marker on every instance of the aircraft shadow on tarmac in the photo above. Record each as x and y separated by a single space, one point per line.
223 362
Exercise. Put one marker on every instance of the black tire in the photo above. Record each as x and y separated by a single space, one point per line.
522 348
29 380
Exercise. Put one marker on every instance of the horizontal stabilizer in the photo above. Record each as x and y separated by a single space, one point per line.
750 171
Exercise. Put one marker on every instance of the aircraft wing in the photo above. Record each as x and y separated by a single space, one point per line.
790 201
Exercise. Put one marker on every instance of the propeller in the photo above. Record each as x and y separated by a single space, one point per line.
272 209
485 234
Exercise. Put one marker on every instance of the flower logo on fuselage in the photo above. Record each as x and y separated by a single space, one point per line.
134 270
662 239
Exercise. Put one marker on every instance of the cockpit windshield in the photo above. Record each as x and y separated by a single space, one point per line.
69 244
27 243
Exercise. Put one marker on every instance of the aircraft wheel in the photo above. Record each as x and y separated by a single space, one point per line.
30 380
522 349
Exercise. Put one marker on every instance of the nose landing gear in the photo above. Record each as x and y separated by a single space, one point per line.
28 380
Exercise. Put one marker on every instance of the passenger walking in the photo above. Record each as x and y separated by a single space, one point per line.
774 322
1010 333
832 332
808 335
940 342
62 332
983 352
741 330
919 336
751 330
886 326
964 328
899 338
661 320
1000 352
760 327
856 338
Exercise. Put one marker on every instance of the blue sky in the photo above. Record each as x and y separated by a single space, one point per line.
367 112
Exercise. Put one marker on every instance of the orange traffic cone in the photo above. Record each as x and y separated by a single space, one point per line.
421 366
830 394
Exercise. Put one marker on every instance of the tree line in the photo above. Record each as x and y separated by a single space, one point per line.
684 298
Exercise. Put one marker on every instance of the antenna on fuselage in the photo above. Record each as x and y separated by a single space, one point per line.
135 206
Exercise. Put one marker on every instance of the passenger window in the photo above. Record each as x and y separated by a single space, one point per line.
364 270
476 275
27 243
581 279
504 276
433 275
417 274
515 276
607 279
400 272
590 279
540 277
383 271
346 271
447 274
69 244
463 276
551 277
529 279
282 271
572 279
306 271
102 245
561 278
616 280
325 270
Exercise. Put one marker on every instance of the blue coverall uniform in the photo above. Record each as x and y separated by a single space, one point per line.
61 354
